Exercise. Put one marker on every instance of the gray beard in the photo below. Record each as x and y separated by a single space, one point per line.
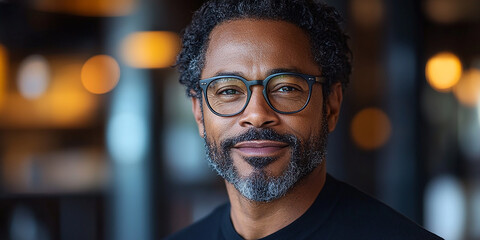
259 186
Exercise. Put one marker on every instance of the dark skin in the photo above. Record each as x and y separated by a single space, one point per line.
253 49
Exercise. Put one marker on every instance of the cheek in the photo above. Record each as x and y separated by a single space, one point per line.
208 123
303 126
216 128
308 122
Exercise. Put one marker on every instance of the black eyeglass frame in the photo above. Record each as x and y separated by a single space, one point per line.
204 83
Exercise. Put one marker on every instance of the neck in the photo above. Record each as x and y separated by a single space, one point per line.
254 220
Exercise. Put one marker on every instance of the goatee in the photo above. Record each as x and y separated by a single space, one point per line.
259 185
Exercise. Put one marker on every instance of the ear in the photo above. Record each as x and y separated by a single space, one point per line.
334 103
197 112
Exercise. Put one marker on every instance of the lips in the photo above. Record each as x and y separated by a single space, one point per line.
259 148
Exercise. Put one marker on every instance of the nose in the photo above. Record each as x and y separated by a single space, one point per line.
258 113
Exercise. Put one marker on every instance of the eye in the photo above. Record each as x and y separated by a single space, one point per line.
287 89
287 84
228 92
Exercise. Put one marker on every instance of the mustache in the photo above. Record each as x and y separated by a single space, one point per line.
259 134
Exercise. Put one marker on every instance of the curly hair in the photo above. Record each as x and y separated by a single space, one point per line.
319 21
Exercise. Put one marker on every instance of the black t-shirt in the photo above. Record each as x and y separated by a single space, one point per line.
339 212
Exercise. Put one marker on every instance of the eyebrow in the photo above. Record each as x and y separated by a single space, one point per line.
273 71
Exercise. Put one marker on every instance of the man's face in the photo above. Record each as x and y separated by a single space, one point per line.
261 152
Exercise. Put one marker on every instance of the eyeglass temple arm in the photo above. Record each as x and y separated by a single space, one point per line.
318 79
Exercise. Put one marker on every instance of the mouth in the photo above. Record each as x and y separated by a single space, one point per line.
260 148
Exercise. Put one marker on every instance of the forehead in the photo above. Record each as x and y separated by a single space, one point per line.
257 46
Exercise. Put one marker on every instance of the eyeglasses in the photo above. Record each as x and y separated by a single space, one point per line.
285 92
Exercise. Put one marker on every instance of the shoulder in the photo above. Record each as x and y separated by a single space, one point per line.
206 228
365 216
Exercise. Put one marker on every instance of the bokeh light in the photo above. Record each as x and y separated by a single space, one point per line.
68 101
445 207
371 128
443 71
184 166
443 11
153 49
367 13
3 74
24 225
127 137
33 76
475 211
64 104
467 90
451 11
99 8
100 74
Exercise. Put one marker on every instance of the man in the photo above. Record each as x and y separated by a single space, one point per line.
266 80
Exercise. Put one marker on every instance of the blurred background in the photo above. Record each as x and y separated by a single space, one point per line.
97 140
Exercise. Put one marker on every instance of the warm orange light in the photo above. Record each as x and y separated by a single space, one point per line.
3 75
450 11
443 11
150 49
467 91
100 74
367 13
99 8
370 128
65 104
443 71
